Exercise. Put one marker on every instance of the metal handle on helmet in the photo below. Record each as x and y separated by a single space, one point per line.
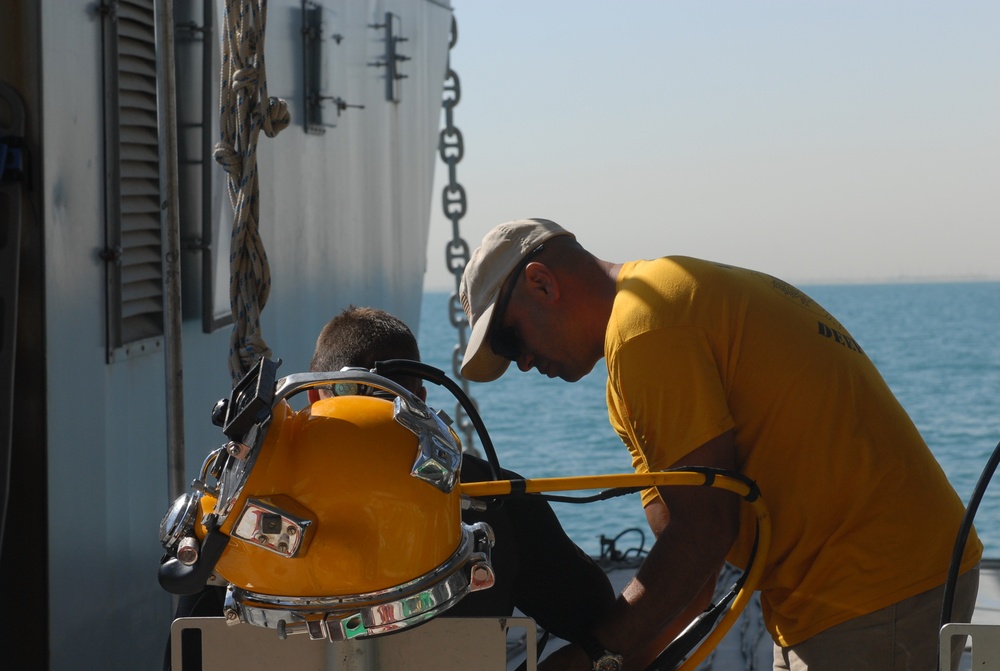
179 578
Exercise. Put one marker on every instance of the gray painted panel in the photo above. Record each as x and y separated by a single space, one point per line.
106 427
344 219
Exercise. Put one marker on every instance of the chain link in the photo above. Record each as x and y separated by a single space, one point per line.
451 148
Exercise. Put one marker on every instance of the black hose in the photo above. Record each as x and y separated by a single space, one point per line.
593 498
963 535
701 626
438 377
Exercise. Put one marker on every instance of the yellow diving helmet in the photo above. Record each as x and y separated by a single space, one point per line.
341 520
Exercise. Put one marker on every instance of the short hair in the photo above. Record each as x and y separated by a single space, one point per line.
358 337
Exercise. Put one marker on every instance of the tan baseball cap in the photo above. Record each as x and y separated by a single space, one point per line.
502 249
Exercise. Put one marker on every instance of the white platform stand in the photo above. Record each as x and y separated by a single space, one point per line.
985 641
442 644
984 631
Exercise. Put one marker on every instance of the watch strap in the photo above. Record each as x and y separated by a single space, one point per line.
590 644
603 659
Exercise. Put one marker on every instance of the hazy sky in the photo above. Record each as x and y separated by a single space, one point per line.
814 140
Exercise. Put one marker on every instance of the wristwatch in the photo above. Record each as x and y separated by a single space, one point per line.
604 660
609 661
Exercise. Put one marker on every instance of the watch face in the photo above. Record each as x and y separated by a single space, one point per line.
609 662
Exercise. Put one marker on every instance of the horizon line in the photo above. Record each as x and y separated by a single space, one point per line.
846 281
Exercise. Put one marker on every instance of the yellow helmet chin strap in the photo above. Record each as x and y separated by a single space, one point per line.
698 477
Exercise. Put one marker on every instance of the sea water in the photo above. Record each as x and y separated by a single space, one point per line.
937 346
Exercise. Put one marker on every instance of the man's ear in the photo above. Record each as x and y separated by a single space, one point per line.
313 395
422 393
541 282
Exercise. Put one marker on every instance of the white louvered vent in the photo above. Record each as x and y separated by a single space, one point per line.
132 162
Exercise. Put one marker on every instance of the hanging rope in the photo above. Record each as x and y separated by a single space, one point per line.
245 109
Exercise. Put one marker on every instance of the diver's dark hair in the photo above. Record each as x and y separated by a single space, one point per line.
359 337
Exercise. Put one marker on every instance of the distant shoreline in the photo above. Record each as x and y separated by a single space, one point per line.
837 282
971 279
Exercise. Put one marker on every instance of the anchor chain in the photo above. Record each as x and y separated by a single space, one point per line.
451 149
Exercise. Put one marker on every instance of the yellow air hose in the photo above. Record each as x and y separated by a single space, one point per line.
738 485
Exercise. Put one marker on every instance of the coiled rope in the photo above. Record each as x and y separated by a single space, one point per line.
245 109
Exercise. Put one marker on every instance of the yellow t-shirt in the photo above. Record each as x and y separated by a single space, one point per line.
862 514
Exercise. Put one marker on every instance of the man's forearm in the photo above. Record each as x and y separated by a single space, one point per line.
635 625
642 659
672 587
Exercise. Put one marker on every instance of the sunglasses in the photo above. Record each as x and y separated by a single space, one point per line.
503 339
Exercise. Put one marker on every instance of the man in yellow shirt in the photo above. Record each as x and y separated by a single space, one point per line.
717 366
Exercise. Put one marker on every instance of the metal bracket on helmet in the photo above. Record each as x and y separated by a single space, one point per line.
440 458
279 525
251 400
